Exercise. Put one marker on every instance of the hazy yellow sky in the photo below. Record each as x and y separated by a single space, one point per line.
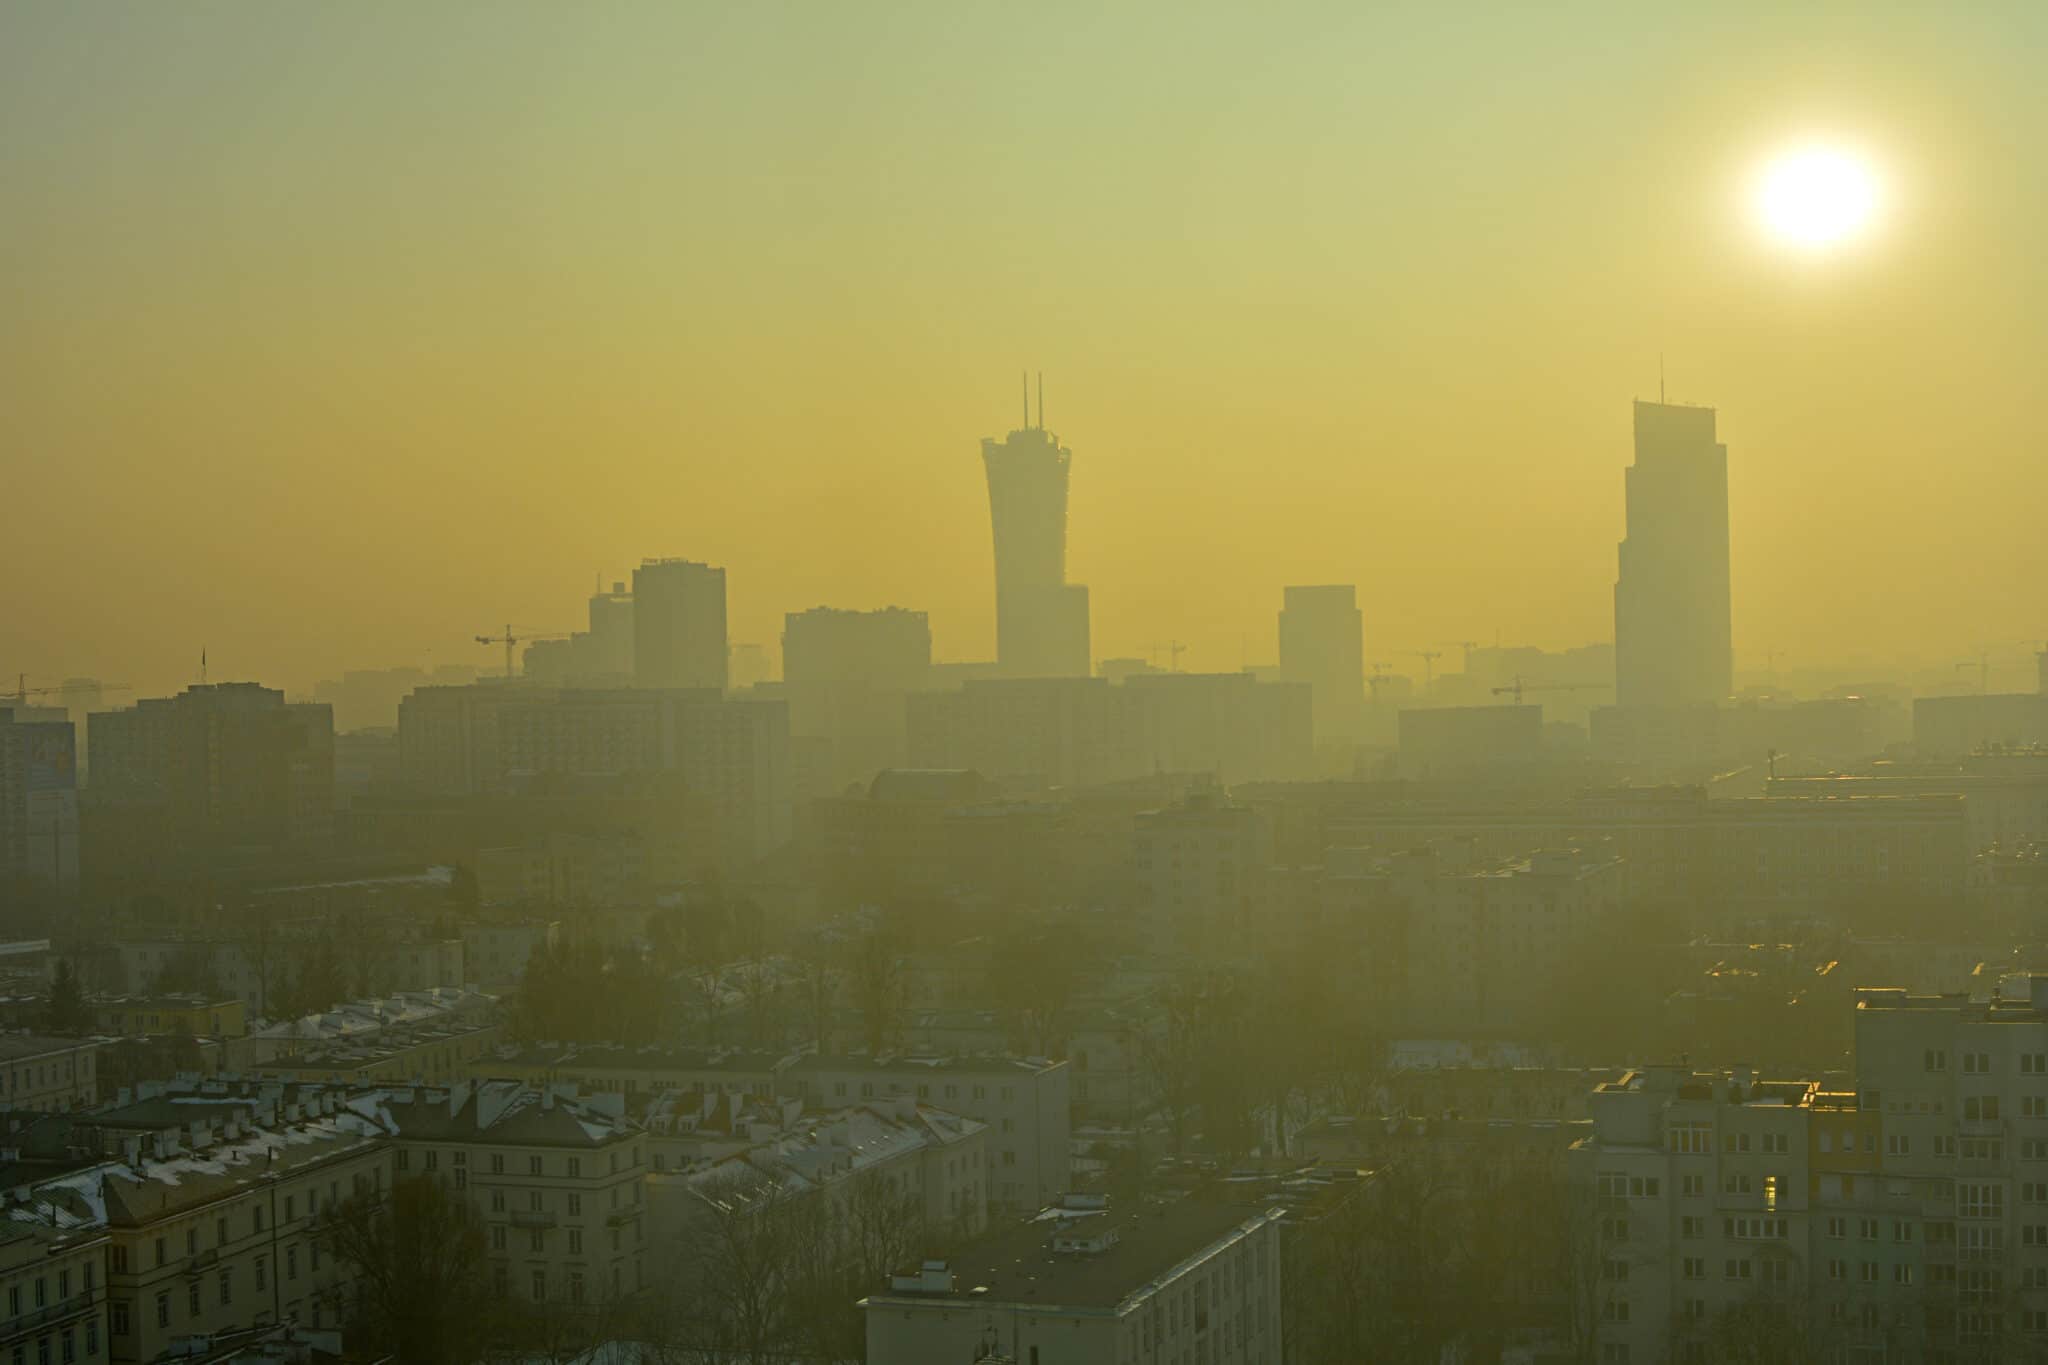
335 333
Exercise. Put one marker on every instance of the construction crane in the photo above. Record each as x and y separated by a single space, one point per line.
1378 680
1518 687
509 639
1174 649
22 691
1429 658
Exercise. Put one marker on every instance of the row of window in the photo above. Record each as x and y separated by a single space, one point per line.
41 1291
572 1166
118 1312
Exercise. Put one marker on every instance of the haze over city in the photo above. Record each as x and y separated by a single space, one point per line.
950 685
349 331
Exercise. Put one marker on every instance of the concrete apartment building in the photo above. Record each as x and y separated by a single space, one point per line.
1906 1219
635 1071
1197 1280
46 1075
679 637
1456 944
38 799
559 1180
1024 1102
1201 867
1322 643
847 676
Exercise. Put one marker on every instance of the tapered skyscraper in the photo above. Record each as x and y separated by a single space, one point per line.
1041 619
1672 634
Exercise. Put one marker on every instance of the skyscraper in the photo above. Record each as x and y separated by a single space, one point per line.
1672 634
1322 643
678 624
1041 619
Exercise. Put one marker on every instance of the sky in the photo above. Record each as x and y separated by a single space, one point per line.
333 335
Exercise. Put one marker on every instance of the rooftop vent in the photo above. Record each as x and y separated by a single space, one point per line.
932 1277
1085 1241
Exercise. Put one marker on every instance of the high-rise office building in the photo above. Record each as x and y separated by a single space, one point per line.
1672 632
1041 619
678 624
1322 643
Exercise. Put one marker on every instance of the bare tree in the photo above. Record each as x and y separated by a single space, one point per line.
418 1262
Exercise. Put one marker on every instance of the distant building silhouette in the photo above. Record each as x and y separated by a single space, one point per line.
1673 641
1041 619
678 624
38 798
601 656
847 675
1322 643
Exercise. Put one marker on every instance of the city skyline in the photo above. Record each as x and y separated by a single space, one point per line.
1356 354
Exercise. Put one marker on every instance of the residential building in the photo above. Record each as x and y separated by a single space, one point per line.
679 635
495 952
847 676
223 765
1673 637
1235 726
1198 1279
558 1178
46 1075
54 1280
636 1072
38 800
1201 868
1948 727
1322 643
1024 1102
177 1016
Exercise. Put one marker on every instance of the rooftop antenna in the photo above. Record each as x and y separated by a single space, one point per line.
1041 400
202 665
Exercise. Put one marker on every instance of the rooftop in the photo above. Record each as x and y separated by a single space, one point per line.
1151 1244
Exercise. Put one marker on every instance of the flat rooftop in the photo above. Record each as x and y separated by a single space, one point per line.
1018 1265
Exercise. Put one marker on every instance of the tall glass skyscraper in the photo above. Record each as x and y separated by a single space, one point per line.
1673 639
1041 619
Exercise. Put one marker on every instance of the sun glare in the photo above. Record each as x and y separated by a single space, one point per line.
1817 196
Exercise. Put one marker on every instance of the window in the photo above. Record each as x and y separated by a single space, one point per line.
262 1274
533 1165
1866 1228
192 1304
2034 1192
498 1237
1980 1201
1980 1109
1614 1269
1902 1230
291 1263
290 1204
1838 1269
538 1238
1692 1226
402 1160
2034 1063
1615 1310
1693 1186
497 1163
2034 1235
1738 1142
1695 1267
1902 1275
1898 1144
497 1201
227 1285
163 1308
575 1167
2034 1106
1775 1143
1944 1145
2034 1149
1866 1271
1735 1182
1976 1063
575 1241
575 1204
1838 1228
257 1214
1691 1139
117 1317
1734 1269
540 1285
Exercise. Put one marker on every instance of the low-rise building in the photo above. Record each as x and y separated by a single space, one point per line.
46 1074
54 1280
1024 1101
1198 1279
559 1179
179 1015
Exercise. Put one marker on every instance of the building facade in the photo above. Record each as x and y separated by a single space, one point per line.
679 635
1322 643
1673 633
1041 619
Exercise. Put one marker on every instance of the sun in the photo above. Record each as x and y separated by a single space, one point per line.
1817 196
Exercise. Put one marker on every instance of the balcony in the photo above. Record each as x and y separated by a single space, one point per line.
618 1218
201 1261
533 1218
